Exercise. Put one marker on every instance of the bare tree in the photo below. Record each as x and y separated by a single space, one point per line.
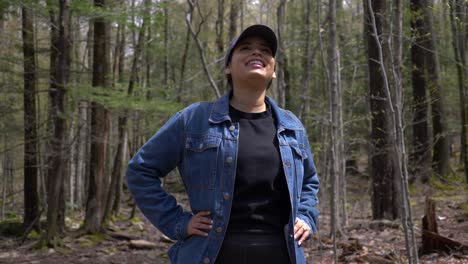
113 196
166 43
307 63
441 151
397 132
183 63
385 189
31 197
421 155
458 21
334 128
57 95
100 122
188 19
233 14
281 56
81 143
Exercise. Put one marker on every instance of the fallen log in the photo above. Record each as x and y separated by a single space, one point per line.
142 244
431 240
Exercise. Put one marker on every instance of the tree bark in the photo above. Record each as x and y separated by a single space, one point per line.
188 20
81 151
233 14
100 122
166 44
441 152
57 97
397 134
307 64
421 155
31 197
334 108
182 64
458 18
220 27
71 161
122 126
385 193
281 56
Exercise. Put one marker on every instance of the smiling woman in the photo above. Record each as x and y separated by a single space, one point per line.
246 165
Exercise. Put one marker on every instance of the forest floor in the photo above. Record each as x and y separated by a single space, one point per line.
365 241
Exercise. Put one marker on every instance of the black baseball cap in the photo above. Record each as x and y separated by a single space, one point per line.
258 30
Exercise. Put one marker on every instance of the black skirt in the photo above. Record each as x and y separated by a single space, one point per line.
253 247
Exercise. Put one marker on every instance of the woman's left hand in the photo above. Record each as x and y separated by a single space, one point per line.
301 230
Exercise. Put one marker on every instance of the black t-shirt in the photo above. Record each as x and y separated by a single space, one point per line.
261 200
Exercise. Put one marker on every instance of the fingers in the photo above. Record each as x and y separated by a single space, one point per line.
301 230
198 223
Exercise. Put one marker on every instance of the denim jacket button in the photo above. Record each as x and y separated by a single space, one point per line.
206 260
219 229
226 196
229 160
231 128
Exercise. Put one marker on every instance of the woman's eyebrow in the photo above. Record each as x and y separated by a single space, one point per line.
246 42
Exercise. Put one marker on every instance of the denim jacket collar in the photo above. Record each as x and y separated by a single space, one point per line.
220 113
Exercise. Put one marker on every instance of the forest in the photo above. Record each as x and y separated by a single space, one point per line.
380 85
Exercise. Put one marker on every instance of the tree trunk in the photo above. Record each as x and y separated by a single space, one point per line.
220 28
385 193
307 65
281 56
421 155
149 58
458 20
71 161
117 56
188 20
233 14
57 98
81 151
31 198
166 45
122 126
4 176
182 64
441 156
334 109
100 122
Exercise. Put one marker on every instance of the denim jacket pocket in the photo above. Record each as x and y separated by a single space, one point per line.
299 155
298 149
200 161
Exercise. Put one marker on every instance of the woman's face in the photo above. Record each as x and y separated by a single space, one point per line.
252 59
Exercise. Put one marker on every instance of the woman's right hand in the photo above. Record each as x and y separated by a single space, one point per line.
198 223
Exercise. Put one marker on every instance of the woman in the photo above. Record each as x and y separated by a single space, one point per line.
246 165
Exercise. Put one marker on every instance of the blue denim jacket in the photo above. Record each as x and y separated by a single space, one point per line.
201 141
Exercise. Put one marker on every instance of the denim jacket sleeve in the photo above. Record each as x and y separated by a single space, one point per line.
307 210
155 159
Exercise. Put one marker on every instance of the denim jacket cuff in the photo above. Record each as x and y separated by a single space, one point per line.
181 225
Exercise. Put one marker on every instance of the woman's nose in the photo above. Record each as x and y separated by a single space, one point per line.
256 51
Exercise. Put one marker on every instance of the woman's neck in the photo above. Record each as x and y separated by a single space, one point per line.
249 100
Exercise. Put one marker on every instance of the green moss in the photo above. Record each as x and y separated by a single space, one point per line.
11 228
34 234
92 239
97 237
135 219
464 208
414 189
